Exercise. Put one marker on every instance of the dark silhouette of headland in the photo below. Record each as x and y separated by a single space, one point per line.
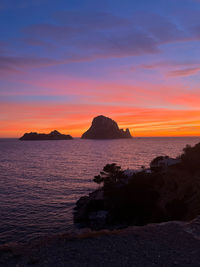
54 135
166 191
105 128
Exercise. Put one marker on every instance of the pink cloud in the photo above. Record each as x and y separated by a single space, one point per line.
184 72
10 64
99 92
189 99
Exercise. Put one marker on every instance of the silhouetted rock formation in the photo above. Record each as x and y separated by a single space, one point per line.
105 128
54 135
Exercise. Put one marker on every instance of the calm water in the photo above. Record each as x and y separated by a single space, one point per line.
40 181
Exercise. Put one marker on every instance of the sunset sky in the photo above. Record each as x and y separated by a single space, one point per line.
64 62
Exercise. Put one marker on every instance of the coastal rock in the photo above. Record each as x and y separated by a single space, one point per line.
81 210
105 128
54 135
163 162
90 210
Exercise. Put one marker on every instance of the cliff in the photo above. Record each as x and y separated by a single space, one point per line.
105 128
54 135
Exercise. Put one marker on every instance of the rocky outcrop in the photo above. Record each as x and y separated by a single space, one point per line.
54 135
163 162
90 211
105 128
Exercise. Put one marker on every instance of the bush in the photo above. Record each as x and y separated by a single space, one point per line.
190 159
110 176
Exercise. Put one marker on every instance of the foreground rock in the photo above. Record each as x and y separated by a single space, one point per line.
90 211
105 128
54 135
168 244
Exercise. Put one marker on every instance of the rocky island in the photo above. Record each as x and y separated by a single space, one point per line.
105 128
54 135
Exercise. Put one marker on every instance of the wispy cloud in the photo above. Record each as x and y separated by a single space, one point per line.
170 63
104 35
91 21
12 64
101 44
184 72
6 4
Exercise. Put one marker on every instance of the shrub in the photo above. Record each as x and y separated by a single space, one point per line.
110 176
190 159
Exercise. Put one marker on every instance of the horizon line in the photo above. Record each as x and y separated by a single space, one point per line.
133 137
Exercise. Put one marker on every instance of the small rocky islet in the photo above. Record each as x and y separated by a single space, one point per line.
54 135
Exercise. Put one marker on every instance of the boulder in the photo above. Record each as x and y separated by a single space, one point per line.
105 128
89 210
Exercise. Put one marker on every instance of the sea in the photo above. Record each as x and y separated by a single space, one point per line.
40 181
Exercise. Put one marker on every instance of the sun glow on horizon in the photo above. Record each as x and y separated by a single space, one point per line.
156 123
